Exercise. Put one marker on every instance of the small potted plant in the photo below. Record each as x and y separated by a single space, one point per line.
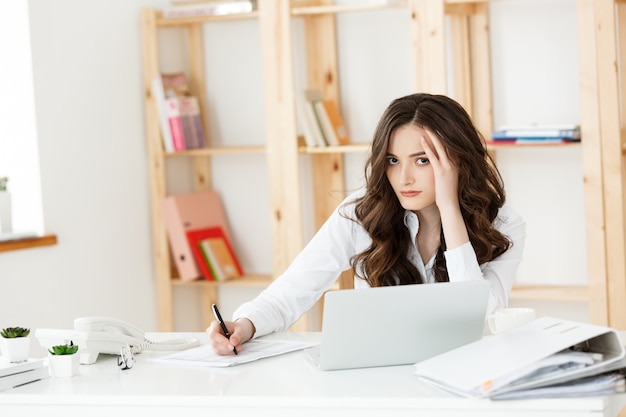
64 360
15 343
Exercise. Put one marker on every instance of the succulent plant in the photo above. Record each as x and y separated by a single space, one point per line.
13 332
66 349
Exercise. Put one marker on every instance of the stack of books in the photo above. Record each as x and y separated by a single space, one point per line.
15 374
214 254
179 113
320 120
537 134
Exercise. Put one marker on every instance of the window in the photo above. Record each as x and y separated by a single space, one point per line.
19 158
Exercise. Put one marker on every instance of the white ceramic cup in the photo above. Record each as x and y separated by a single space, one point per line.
508 318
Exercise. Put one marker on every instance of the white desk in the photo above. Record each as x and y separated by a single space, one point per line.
286 385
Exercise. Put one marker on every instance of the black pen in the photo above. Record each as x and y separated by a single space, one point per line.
218 316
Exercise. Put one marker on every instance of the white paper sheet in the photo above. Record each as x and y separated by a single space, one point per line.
204 356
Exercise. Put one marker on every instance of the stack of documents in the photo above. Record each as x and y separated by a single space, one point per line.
547 357
16 374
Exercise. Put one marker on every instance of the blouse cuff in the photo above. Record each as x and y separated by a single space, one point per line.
462 264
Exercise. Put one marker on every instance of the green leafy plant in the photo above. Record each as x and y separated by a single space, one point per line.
3 183
13 332
66 349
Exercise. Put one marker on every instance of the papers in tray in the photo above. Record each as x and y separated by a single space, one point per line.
16 374
253 350
547 357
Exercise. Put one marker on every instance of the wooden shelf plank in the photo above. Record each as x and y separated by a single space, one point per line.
161 22
357 147
327 9
311 9
253 280
225 150
27 243
551 292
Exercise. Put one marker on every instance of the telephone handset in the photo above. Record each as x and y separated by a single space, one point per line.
115 329
96 334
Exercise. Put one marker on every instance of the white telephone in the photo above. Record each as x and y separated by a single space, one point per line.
95 335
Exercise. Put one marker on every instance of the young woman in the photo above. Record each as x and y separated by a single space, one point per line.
432 210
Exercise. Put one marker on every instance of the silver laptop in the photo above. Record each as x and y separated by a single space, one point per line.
398 325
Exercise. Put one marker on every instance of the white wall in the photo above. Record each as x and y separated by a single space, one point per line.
89 106
89 121
535 75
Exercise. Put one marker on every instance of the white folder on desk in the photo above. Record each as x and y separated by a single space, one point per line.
510 361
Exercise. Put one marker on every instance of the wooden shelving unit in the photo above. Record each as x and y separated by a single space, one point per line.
151 23
471 74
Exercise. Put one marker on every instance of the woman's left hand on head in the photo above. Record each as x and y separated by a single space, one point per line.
445 172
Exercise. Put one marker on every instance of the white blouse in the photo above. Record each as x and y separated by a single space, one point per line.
319 264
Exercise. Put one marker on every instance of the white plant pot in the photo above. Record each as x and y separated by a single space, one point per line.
16 349
64 366
6 222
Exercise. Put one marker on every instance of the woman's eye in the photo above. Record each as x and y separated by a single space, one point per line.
392 161
422 161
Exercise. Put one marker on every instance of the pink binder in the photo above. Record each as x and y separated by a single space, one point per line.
185 212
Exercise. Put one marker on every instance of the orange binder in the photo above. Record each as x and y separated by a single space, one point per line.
214 254
191 211
338 126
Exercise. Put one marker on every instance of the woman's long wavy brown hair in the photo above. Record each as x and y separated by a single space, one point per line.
481 192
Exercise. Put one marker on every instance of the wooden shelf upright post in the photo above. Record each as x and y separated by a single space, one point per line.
602 127
281 132
201 163
156 171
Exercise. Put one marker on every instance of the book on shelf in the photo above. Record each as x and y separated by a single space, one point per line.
320 119
159 98
16 374
175 84
190 211
312 96
164 87
307 119
332 123
208 8
179 113
214 254
536 133
175 123
191 121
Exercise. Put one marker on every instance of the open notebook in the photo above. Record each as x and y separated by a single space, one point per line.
398 325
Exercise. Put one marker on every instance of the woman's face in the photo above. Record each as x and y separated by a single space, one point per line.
408 170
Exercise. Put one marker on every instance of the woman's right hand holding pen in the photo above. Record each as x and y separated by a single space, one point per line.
240 331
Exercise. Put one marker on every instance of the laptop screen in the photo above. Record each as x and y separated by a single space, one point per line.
400 325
